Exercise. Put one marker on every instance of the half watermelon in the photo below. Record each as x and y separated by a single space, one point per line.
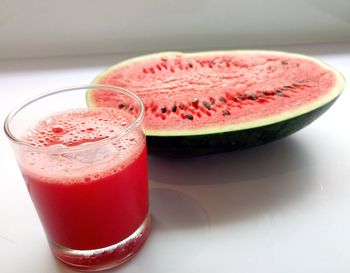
209 102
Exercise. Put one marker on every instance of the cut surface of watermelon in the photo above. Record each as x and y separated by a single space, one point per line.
210 93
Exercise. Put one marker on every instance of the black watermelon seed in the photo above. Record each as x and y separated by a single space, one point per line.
222 99
252 97
163 109
173 108
206 105
189 116
226 113
212 100
131 108
121 105
181 106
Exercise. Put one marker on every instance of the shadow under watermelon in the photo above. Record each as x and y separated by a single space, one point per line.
234 186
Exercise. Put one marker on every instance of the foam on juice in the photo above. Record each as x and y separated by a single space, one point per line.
76 129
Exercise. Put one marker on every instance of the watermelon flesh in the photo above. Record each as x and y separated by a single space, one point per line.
212 93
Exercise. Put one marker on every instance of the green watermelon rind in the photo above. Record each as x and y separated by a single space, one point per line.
197 145
214 139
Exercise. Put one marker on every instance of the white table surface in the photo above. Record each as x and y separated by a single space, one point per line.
281 207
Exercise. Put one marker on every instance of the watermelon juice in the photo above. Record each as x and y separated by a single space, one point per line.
89 186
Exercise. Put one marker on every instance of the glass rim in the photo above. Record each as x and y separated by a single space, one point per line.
29 101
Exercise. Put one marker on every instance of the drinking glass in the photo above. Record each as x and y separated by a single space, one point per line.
82 153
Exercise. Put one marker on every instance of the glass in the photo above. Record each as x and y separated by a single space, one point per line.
85 168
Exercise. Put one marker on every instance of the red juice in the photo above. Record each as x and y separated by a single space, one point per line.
97 195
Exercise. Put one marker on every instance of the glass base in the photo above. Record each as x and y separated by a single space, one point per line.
103 258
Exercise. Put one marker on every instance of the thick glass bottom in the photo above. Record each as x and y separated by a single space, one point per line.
103 258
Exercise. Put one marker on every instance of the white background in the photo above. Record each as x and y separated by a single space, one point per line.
43 27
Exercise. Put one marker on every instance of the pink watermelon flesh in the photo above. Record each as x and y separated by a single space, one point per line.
189 91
